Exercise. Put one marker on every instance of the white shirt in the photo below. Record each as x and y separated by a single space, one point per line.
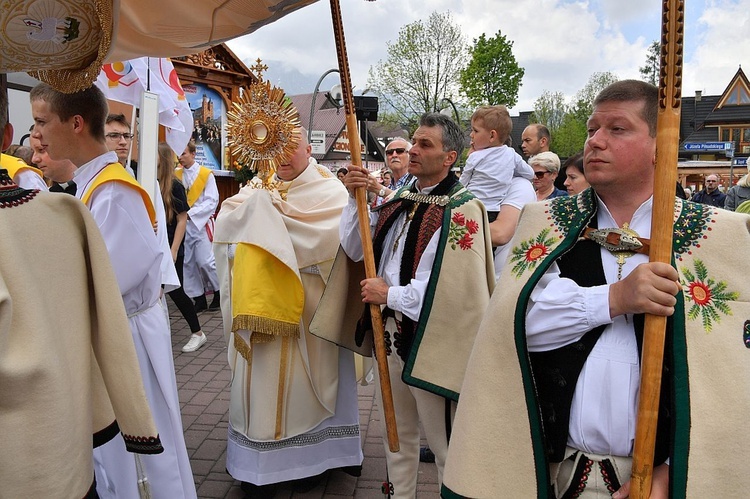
405 299
29 179
488 173
205 205
521 193
603 412
128 234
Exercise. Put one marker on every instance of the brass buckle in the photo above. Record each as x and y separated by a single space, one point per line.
615 240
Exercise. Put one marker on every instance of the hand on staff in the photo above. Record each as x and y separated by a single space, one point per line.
649 289
659 485
360 177
374 290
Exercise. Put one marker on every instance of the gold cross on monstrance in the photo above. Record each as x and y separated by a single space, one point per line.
258 69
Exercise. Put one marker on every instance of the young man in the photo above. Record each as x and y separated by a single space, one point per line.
432 248
72 126
200 266
293 407
535 138
548 406
23 175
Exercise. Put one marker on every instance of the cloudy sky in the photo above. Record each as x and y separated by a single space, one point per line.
559 43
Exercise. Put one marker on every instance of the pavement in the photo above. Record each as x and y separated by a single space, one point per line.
203 379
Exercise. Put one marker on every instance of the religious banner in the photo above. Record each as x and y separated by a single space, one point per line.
209 117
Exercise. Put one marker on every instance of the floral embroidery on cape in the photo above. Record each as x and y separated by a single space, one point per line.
461 230
529 253
708 297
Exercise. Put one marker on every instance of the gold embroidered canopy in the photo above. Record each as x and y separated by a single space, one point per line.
66 41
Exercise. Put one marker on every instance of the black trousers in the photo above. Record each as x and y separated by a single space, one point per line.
183 301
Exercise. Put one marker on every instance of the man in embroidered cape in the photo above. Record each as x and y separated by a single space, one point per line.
434 257
61 379
72 126
293 410
548 405
199 269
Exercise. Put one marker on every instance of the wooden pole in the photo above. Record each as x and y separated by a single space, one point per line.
667 143
364 228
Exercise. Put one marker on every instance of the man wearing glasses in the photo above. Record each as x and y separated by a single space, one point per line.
120 139
397 159
711 193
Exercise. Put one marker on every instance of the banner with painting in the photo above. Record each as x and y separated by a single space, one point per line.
209 118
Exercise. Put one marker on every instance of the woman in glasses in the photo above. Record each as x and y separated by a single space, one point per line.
546 165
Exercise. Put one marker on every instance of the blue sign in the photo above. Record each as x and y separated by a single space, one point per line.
739 162
708 146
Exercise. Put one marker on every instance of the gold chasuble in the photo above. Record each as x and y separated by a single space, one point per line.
274 250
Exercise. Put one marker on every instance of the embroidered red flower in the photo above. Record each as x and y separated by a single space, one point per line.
535 252
472 226
465 242
458 218
700 293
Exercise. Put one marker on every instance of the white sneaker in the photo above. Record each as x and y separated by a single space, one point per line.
197 340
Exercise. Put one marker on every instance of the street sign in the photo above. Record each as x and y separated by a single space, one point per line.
708 146
739 162
318 141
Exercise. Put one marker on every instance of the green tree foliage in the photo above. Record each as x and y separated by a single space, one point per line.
423 67
492 76
650 71
567 121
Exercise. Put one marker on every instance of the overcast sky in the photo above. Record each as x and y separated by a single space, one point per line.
559 43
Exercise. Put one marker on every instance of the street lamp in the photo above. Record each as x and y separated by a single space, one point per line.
334 96
442 111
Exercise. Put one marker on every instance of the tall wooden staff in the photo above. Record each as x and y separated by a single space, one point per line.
667 142
364 227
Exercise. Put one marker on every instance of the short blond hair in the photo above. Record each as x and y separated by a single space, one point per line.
495 118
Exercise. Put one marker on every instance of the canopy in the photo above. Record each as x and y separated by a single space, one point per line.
66 41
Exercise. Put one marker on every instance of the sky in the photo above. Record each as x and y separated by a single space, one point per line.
559 43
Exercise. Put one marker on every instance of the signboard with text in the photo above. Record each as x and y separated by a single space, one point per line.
708 146
318 141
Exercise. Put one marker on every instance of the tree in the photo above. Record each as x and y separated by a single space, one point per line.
549 109
584 100
492 76
423 67
650 71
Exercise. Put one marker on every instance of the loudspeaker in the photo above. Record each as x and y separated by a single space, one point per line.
366 107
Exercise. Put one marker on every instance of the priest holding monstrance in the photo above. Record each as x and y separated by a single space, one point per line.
293 408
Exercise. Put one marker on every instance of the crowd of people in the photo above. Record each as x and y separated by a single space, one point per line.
512 310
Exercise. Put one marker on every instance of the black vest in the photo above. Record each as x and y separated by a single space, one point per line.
556 372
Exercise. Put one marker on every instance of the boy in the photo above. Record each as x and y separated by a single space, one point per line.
492 165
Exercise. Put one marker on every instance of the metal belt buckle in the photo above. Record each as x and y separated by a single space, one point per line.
616 239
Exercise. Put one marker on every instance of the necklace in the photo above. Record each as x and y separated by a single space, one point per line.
409 216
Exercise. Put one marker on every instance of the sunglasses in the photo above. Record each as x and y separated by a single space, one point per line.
118 136
398 150
540 174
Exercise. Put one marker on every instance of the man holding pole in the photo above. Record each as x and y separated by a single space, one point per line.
435 275
554 381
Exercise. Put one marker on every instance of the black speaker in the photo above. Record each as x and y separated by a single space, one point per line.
366 107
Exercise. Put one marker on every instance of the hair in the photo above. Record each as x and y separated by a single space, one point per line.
407 144
576 160
547 160
191 147
453 136
117 118
542 132
386 171
744 181
90 104
23 152
165 175
340 170
3 111
495 118
634 91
